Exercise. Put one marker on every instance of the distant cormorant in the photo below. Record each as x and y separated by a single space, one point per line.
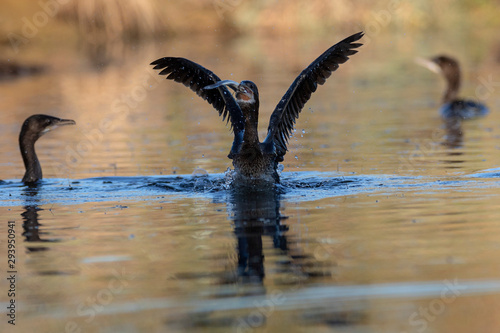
253 160
453 107
33 128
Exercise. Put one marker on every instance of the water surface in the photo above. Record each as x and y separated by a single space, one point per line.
386 219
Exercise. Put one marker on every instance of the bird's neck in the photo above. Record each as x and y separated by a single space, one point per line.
453 85
251 114
31 163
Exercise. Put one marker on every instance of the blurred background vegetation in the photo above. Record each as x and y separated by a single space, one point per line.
104 20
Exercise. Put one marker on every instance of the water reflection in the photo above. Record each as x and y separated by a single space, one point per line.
454 139
454 134
256 213
31 226
103 55
245 299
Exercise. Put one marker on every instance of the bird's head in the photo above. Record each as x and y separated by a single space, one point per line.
441 64
444 62
247 97
39 124
246 91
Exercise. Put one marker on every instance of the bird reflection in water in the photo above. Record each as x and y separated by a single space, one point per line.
31 226
453 141
454 134
256 216
256 213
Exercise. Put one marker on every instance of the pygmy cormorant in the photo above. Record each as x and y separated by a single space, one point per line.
254 161
33 128
453 107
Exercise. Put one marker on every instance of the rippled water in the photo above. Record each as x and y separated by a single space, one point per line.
386 219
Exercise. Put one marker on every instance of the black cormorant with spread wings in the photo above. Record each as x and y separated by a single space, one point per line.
254 160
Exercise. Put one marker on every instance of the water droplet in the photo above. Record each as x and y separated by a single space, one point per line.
296 157
303 131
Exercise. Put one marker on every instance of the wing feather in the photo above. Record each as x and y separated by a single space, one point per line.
196 77
288 109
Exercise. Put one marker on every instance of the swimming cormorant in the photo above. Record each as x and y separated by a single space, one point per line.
253 160
33 128
453 107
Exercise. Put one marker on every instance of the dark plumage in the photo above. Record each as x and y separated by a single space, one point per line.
254 160
453 107
33 128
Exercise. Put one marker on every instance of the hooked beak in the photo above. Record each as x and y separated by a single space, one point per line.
429 64
232 84
242 91
64 122
59 123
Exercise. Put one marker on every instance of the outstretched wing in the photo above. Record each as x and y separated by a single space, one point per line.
287 111
197 77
